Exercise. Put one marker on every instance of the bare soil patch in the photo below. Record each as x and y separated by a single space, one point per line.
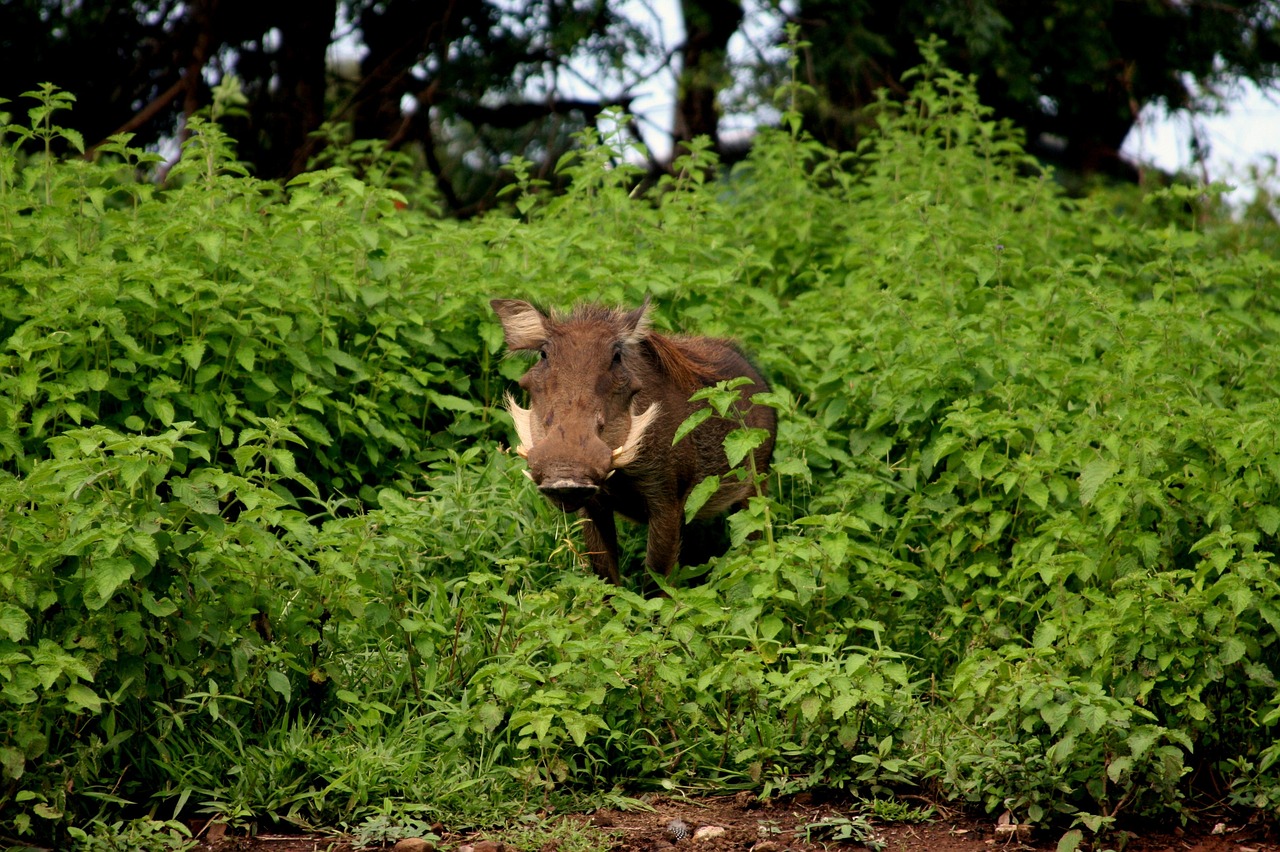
750 825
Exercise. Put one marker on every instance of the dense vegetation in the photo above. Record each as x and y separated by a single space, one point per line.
265 555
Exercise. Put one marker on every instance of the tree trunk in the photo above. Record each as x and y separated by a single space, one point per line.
709 24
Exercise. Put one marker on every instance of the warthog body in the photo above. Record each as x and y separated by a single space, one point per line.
606 397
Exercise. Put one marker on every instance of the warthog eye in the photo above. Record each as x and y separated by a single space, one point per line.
617 356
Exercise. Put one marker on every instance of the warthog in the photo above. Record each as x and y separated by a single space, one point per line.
606 397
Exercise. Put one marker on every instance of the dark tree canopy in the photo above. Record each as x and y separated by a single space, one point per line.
1074 74
470 83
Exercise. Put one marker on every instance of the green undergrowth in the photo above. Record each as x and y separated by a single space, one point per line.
267 558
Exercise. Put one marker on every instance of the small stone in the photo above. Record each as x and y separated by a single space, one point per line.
767 846
466 847
1219 828
1020 830
414 844
489 846
602 821
707 832
746 800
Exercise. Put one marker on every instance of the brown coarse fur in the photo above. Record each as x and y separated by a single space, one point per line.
686 361
606 398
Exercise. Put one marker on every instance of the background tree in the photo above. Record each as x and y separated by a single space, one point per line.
470 83
1074 74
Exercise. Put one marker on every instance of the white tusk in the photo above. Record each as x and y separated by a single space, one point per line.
523 420
528 474
630 449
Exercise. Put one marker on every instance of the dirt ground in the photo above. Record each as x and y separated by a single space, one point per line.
795 825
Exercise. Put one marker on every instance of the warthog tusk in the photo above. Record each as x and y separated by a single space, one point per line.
524 428
630 449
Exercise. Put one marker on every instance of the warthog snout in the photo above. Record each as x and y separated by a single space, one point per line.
569 494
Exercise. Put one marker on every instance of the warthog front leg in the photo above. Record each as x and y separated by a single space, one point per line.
601 534
664 537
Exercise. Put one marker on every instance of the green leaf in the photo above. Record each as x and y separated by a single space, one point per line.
81 697
279 682
491 716
1045 635
1231 650
193 353
842 703
109 575
1118 767
1070 841
699 495
1268 519
576 725
13 622
693 421
1037 492
741 441
161 608
211 242
1093 476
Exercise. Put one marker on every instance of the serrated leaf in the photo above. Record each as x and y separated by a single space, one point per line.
1140 741
211 242
576 725
1118 767
842 703
193 353
81 697
693 421
144 545
160 608
1231 650
109 575
974 458
490 715
699 495
1070 841
245 356
13 622
1046 634
161 409
1037 492
1093 476
1268 519
741 441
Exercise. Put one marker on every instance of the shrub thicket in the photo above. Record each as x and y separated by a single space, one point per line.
265 555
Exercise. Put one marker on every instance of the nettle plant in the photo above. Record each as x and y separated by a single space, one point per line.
267 555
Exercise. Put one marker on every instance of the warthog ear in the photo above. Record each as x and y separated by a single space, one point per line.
636 323
523 325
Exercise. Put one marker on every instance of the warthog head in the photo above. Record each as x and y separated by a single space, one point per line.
582 423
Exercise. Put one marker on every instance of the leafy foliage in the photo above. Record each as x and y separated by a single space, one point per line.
266 558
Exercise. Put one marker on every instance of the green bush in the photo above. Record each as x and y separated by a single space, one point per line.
266 556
